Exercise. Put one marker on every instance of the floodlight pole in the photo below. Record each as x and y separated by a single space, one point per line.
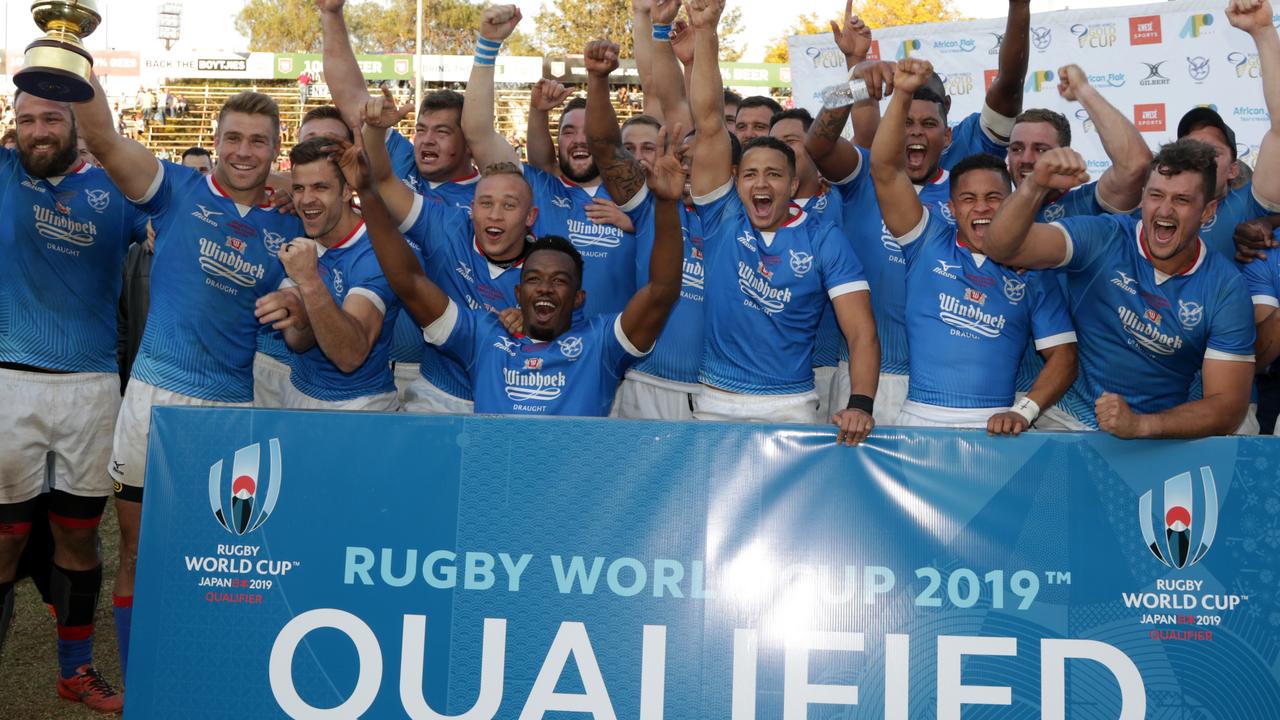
417 63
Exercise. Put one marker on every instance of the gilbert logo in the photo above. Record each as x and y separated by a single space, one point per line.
238 510
1149 117
1180 524
1145 30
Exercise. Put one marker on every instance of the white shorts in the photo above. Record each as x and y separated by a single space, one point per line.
916 414
133 426
404 374
1250 424
423 397
271 381
822 379
295 399
644 397
716 404
891 393
55 433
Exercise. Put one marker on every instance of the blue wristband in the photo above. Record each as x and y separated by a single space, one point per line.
486 51
661 32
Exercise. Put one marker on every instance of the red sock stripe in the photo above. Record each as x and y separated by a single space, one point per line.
15 528
75 632
75 523
122 601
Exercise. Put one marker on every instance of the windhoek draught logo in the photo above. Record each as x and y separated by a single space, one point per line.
1180 521
246 514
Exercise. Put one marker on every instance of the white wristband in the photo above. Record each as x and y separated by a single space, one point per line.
1027 408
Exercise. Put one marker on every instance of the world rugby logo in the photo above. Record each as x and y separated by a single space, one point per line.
239 511
1180 549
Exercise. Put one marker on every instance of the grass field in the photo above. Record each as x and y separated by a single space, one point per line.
29 664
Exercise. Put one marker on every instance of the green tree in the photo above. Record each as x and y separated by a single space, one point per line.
564 27
280 25
875 13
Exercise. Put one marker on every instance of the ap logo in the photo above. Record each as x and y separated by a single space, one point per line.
1179 520
245 514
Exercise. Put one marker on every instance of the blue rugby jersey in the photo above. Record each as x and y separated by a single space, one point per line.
351 268
969 137
445 239
970 318
63 245
678 353
213 260
828 207
576 374
765 293
608 253
1262 277
882 257
1143 334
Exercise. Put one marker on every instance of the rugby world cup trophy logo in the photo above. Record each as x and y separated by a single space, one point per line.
246 504
1181 548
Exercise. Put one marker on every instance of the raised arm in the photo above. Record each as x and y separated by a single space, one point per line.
836 157
130 165
541 149
712 151
1014 237
667 78
487 145
380 113
642 50
1005 94
341 71
1254 17
1120 187
900 206
423 300
622 174
647 311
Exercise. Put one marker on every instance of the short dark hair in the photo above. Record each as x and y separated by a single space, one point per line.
771 143
759 101
249 102
804 116
1187 155
441 100
649 120
556 243
980 161
314 150
928 95
326 112
1045 115
732 98
195 150
575 103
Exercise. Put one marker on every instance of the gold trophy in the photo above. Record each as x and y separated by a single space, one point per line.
57 66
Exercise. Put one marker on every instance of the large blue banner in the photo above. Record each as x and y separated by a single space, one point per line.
327 565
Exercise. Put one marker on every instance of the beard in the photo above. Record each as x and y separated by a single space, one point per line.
591 173
53 164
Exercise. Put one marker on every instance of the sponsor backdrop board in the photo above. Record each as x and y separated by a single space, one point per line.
397 565
1153 62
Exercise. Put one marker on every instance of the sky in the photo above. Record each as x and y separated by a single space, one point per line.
206 25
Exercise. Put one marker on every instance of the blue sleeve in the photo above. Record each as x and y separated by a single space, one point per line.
174 178
841 270
936 229
968 138
431 223
1049 317
1262 279
615 358
461 343
401 152
719 210
138 232
1083 200
1232 330
641 216
367 274
847 187
1090 238
545 185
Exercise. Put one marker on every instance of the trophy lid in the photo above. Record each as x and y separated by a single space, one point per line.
82 13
